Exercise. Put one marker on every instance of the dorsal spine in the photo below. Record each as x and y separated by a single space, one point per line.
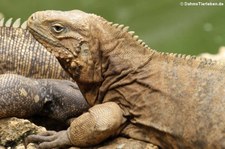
15 24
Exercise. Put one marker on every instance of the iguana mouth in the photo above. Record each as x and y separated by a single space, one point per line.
43 40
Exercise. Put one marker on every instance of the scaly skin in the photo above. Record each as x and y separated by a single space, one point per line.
21 54
173 101
23 97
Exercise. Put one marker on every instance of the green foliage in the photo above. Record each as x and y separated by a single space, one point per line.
164 25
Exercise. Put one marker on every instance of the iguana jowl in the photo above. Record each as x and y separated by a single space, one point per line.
174 101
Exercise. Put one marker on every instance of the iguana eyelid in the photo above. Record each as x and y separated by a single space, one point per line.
57 28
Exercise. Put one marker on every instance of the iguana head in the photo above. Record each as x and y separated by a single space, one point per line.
67 36
72 37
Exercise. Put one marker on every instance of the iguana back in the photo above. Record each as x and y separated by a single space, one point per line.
21 54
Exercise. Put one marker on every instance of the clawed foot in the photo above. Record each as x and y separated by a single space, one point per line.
49 139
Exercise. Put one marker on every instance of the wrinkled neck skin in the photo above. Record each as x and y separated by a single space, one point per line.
115 54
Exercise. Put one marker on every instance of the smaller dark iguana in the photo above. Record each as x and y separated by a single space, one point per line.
171 100
24 97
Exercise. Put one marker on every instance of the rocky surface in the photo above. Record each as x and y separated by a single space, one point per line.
14 130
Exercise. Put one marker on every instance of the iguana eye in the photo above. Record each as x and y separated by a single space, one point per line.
58 28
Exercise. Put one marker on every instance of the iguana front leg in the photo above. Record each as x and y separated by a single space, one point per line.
92 127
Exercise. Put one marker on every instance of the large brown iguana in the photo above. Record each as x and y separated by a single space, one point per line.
173 101
21 54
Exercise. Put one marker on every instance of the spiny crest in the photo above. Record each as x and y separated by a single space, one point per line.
126 29
182 56
206 61
122 28
15 24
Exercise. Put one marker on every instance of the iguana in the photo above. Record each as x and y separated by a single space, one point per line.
21 54
24 97
171 100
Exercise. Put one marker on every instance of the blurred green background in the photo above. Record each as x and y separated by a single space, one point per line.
164 24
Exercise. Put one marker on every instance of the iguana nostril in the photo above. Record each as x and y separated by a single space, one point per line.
32 17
